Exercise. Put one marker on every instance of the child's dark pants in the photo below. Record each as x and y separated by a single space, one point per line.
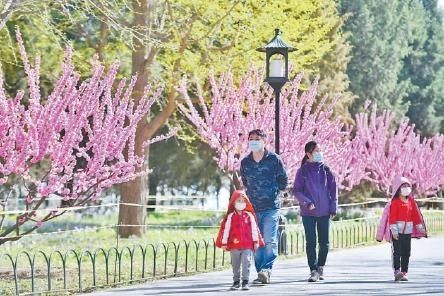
401 252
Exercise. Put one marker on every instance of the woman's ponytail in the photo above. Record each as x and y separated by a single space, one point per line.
304 159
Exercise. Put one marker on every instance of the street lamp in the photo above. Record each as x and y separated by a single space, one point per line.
276 62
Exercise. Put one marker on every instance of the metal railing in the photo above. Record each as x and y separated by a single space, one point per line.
84 270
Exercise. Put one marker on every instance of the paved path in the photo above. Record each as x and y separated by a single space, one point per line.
365 270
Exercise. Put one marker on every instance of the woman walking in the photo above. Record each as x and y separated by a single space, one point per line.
316 190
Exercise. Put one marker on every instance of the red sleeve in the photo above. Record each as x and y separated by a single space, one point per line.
221 233
416 216
394 209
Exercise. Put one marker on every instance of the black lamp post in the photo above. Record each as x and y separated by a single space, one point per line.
276 61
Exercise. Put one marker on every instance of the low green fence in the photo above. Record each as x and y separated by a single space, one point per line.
59 273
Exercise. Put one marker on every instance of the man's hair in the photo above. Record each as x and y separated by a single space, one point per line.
257 132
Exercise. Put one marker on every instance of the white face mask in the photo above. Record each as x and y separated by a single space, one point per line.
255 145
240 205
405 191
318 157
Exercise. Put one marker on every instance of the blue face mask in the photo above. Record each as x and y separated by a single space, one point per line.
318 157
255 146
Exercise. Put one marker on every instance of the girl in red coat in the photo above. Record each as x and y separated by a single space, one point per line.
240 235
405 220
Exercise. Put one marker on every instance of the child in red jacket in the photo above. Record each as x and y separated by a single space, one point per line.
240 235
405 220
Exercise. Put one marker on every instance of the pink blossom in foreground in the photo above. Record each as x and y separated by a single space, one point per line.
80 131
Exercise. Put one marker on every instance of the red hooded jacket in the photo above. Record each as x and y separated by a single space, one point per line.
239 231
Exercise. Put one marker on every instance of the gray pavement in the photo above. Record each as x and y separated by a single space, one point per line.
358 271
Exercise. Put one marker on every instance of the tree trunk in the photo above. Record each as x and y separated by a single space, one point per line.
237 181
142 56
135 191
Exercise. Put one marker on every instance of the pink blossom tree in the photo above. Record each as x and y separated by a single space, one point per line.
83 134
224 119
376 149
390 150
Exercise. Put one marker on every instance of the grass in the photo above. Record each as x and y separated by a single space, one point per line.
201 254
94 233
89 238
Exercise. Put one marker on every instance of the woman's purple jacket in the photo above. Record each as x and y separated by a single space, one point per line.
315 184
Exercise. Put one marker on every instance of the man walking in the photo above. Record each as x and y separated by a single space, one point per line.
264 176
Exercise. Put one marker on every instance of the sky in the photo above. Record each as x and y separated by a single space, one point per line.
441 4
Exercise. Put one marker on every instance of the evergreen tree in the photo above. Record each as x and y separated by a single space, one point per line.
424 67
381 33
333 71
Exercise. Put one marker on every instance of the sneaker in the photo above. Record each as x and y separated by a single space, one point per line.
245 285
398 275
404 277
235 286
321 272
269 275
314 276
264 276
257 281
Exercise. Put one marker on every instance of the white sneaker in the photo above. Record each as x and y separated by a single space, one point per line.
264 276
321 272
398 275
314 276
404 277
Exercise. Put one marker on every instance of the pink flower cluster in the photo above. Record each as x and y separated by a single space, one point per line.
224 119
396 151
80 131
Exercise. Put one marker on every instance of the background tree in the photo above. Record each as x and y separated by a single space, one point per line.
332 67
396 58
377 149
178 169
380 33
234 110
424 67
390 150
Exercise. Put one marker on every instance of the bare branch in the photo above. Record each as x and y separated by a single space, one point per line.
163 116
8 10
229 11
